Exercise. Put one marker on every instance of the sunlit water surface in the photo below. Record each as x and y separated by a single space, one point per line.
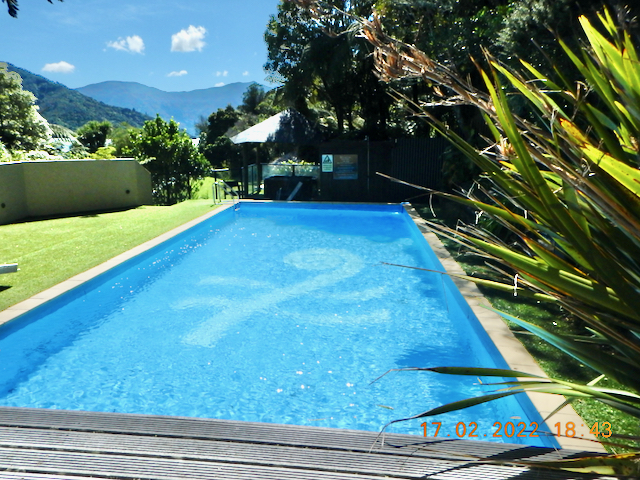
280 314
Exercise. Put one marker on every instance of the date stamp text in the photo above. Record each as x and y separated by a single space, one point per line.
517 429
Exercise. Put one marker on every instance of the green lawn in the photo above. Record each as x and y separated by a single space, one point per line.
204 190
50 251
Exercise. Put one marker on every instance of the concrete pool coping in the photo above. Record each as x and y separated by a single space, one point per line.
511 349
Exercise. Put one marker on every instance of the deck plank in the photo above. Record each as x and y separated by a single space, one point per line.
37 444
218 451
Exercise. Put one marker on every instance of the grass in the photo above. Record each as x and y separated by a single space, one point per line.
553 362
204 189
50 251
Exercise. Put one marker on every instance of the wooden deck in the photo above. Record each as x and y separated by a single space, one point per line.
56 444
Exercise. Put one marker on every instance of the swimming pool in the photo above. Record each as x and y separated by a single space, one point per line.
273 313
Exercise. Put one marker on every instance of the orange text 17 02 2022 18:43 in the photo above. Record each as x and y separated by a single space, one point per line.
518 429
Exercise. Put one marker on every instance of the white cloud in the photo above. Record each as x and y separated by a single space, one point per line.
177 74
60 67
245 73
188 40
222 74
221 84
133 44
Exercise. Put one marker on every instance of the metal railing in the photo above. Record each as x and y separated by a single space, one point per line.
228 191
254 181
290 170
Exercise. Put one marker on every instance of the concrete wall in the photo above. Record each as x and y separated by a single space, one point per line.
32 189
13 201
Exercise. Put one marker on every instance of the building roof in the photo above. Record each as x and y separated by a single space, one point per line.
288 126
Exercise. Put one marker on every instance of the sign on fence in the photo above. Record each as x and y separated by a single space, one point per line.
327 163
345 167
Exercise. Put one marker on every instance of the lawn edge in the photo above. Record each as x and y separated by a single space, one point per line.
38 299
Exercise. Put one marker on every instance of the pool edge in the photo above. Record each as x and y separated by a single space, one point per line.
507 344
50 293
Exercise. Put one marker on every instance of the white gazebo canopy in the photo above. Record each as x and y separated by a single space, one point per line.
288 126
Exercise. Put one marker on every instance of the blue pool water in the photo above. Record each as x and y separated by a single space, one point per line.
273 313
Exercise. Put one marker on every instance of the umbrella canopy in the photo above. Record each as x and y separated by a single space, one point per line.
288 126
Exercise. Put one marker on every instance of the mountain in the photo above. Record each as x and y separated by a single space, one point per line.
185 107
70 108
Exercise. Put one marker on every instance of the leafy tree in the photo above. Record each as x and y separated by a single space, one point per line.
324 72
93 134
171 157
252 98
13 7
450 31
220 122
530 29
21 126
121 138
325 67
104 153
215 144
455 32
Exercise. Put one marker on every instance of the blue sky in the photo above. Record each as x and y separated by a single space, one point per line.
173 46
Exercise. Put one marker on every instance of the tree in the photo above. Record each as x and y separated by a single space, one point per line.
215 144
215 132
21 126
121 137
326 73
325 67
171 157
13 7
252 98
93 134
530 29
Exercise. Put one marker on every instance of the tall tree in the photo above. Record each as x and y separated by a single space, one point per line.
13 7
171 157
252 98
321 69
215 144
455 33
121 136
21 126
93 134
530 29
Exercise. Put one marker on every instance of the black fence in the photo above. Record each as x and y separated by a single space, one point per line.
348 172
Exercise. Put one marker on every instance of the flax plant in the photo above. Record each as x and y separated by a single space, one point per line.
567 187
565 184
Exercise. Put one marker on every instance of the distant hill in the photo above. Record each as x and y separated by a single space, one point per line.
185 107
70 108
